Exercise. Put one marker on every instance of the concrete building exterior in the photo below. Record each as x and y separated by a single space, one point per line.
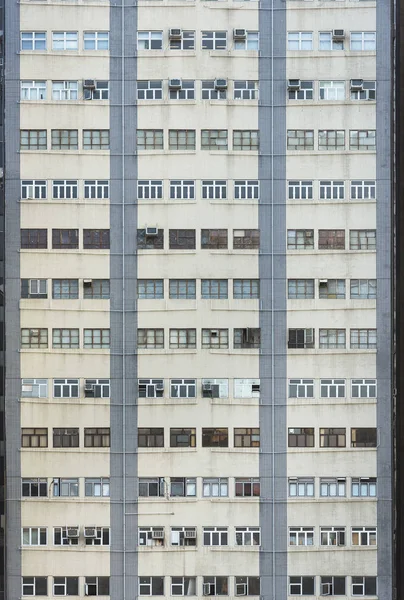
198 282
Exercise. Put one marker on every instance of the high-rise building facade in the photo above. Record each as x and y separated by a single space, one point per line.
198 298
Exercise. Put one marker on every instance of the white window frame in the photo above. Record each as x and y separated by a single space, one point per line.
363 189
30 532
301 536
364 94
64 539
182 189
304 388
39 388
300 189
65 40
186 42
150 386
331 90
332 388
221 533
152 89
34 90
363 41
244 388
34 189
145 40
96 40
332 487
99 537
100 487
305 91
65 90
99 92
217 487
182 388
96 188
364 484
223 385
185 92
249 536
302 39
67 388
363 388
327 43
364 533
361 586
145 536
330 533
187 585
210 92
214 189
301 487
245 89
251 42
300 584
150 189
331 190
216 38
65 189
34 39
246 189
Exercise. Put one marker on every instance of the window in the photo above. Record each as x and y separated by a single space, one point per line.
65 239
332 388
149 139
364 139
183 586
332 338
151 536
183 388
95 139
182 189
33 90
182 338
34 536
34 388
300 139
301 536
65 289
185 41
151 388
300 338
149 488
362 239
33 189
332 90
246 437
215 487
101 537
332 536
64 189
215 437
332 289
183 438
34 586
331 239
33 139
301 388
246 140
332 190
150 90
364 536
363 40
65 40
364 586
246 388
96 586
215 536
96 239
65 338
33 40
332 487
65 139
301 586
363 288
250 42
364 339
150 289
367 91
210 91
182 239
303 92
299 437
300 40
96 487
331 139
96 40
247 487
300 190
96 437
363 487
151 586
99 92
214 189
363 388
185 92
214 40
248 536
249 337
363 189
65 438
246 289
215 586
332 586
34 338
246 239
96 388
364 437
247 586
215 388
214 289
214 239
65 586
65 90
147 241
246 90
246 189
214 139
301 487
182 486
301 289
327 41
34 488
96 289
34 437
181 139
182 289
151 189
300 239
34 288
65 388
150 338
215 338
66 487
149 40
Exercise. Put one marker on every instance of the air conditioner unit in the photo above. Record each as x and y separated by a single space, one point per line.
241 589
73 532
151 231
89 390
157 534
214 332
90 532
190 534
89 84
356 85
27 388
174 84
220 84
294 85
323 281
239 34
34 332
338 34
175 34
87 282
159 387
206 387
